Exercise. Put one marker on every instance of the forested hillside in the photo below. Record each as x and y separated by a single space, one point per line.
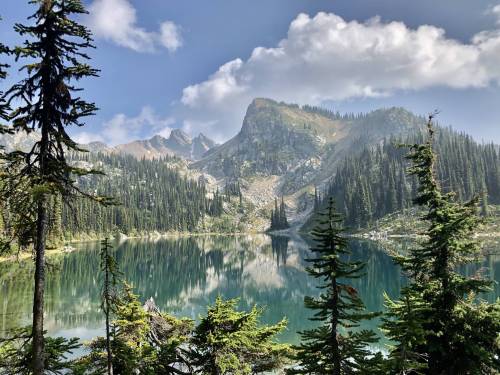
374 182
152 197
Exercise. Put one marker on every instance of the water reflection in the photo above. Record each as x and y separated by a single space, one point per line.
186 274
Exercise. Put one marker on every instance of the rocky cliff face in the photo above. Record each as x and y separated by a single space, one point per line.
301 144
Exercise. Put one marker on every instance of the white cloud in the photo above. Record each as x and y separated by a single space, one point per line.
170 36
327 58
116 21
86 137
496 12
122 129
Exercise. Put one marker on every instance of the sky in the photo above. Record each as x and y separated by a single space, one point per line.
197 64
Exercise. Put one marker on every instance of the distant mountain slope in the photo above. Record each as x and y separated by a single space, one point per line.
302 144
375 182
177 144
18 141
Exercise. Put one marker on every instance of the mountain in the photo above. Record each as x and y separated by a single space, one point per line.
301 144
177 144
288 150
18 141
374 182
97 147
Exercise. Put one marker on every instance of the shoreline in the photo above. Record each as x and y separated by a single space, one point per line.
66 247
372 235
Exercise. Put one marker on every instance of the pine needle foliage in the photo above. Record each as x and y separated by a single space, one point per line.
437 325
16 354
3 74
228 341
337 346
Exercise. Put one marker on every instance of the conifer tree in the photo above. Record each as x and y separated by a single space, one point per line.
47 102
228 341
3 73
445 331
278 216
16 353
111 273
335 347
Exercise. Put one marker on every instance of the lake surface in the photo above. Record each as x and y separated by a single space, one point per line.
184 275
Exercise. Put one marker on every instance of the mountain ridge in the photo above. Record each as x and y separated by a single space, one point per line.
178 144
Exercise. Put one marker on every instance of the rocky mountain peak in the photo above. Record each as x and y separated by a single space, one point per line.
301 143
180 137
177 144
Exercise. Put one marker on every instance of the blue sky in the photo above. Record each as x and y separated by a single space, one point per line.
196 64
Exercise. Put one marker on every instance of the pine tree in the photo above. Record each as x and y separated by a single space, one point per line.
111 273
3 73
445 331
16 353
228 341
335 347
47 103
282 215
278 216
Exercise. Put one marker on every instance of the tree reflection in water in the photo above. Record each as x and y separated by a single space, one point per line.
185 274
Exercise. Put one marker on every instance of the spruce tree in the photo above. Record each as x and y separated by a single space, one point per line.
336 346
47 102
445 330
228 341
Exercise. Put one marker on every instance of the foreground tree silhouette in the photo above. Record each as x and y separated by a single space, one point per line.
48 103
438 325
334 348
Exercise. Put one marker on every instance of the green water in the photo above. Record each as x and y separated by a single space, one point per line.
183 275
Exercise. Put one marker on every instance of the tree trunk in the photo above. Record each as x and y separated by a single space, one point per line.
42 225
108 345
335 321
107 308
38 298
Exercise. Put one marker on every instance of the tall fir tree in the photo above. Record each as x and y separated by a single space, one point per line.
438 327
335 347
47 102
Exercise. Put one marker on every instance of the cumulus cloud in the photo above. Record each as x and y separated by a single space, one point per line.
170 36
122 129
326 58
116 21
496 12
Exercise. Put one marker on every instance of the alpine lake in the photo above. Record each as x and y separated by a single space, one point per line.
185 274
